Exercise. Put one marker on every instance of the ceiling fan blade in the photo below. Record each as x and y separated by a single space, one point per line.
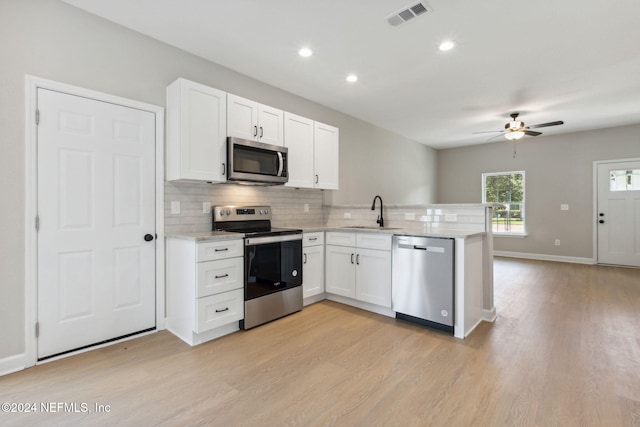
489 131
493 137
544 125
532 133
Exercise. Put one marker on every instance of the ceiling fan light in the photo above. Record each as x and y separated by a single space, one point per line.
513 136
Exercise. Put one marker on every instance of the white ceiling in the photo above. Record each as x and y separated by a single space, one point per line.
571 60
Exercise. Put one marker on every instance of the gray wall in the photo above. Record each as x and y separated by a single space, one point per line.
53 40
558 169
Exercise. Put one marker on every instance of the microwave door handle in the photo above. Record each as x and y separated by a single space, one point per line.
280 163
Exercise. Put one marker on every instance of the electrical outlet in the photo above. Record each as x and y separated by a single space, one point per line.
564 207
347 215
206 207
175 208
306 207
409 216
451 217
557 242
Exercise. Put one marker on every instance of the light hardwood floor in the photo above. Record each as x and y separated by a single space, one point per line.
564 351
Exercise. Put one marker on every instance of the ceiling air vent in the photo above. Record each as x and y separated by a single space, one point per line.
407 13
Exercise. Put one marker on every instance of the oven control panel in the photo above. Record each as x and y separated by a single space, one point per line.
241 213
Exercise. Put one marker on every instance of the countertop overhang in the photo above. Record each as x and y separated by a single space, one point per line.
409 231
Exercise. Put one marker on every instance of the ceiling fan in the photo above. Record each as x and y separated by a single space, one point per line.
516 129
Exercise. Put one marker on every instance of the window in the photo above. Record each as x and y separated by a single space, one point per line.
507 190
624 180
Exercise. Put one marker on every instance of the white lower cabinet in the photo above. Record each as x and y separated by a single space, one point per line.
218 310
205 288
312 264
358 266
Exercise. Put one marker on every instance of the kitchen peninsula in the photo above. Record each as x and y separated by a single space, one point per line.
471 232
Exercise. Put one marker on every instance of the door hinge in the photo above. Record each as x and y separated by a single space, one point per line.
37 329
37 117
37 222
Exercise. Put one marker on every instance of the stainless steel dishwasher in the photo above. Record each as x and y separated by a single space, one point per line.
423 281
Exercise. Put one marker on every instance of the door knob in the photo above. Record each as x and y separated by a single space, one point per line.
601 221
148 237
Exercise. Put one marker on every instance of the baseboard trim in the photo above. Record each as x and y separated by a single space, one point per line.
543 257
489 315
11 364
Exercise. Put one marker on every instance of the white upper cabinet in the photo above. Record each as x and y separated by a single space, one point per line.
250 120
313 153
270 125
325 155
298 138
196 132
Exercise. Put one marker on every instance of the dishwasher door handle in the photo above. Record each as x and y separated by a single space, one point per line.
405 246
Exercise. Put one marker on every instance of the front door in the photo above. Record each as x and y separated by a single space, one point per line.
618 216
96 209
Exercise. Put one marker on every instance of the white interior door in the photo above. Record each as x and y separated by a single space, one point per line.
619 213
96 204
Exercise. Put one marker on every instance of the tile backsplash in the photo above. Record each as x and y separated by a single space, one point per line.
469 217
287 204
293 207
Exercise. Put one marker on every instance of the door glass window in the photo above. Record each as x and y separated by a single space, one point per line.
624 180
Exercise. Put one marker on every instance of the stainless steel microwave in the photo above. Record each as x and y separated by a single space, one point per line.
256 163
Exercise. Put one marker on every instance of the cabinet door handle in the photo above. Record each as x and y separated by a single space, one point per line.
224 169
351 258
358 259
305 258
261 132
255 131
222 276
316 178
313 239
221 249
224 309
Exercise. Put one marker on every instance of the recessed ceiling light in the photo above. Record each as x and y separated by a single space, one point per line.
352 78
446 45
305 52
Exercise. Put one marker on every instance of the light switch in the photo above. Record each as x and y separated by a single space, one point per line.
347 215
175 208
306 207
564 207
206 207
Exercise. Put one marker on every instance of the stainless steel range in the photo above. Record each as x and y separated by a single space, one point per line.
272 263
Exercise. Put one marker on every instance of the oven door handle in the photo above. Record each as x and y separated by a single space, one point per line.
280 163
252 241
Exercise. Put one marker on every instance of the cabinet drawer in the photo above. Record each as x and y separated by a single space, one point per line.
339 238
313 239
374 241
209 251
219 276
219 310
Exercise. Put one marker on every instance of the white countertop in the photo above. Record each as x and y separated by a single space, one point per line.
210 236
418 231
409 231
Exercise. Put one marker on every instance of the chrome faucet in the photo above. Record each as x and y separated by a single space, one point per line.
373 208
